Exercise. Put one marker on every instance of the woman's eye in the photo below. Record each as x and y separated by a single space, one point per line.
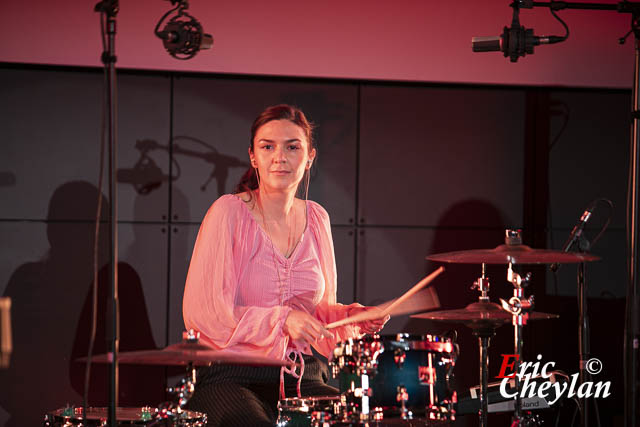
267 146
294 147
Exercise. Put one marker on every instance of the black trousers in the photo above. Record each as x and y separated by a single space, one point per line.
233 395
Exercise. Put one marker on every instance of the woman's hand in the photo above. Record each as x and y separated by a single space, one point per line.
301 326
370 326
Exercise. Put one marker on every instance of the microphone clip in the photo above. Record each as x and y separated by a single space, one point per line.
518 41
182 35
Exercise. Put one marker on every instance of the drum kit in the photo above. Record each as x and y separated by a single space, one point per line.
405 380
384 380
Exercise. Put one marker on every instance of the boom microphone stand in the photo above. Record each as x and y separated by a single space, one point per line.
110 9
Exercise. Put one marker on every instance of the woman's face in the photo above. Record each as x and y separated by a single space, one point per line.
281 155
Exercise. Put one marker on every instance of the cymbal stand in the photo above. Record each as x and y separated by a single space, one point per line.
173 410
484 335
583 342
519 307
484 332
482 285
185 388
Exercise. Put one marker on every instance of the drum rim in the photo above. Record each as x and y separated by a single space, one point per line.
92 414
437 343
284 404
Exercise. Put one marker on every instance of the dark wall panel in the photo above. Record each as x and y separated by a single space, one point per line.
212 131
50 135
344 243
21 242
422 150
589 159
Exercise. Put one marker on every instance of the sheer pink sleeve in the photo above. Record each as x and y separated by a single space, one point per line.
329 310
221 248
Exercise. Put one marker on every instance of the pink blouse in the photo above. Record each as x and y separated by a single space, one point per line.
240 288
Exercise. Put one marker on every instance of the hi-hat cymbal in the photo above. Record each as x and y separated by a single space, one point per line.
517 254
479 315
185 353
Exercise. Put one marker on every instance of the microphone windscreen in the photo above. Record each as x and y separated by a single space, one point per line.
206 42
486 44
6 346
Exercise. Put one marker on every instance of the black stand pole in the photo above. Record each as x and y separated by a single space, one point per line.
484 338
113 197
518 322
632 329
110 9
583 342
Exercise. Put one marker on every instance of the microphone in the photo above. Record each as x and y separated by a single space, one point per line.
576 232
514 42
183 35
578 228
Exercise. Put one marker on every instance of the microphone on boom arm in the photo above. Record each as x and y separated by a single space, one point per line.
515 41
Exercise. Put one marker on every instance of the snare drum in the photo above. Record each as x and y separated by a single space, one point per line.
397 376
318 411
97 417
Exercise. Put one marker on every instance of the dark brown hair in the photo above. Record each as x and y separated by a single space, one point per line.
249 180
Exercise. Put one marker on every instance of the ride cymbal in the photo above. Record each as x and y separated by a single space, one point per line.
517 254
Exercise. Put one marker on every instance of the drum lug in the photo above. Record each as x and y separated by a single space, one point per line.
399 356
426 375
402 397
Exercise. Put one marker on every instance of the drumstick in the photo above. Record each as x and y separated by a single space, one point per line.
413 290
370 315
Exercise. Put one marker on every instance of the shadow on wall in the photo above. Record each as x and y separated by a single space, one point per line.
51 316
146 175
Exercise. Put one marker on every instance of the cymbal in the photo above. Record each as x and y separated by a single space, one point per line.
184 353
479 314
517 254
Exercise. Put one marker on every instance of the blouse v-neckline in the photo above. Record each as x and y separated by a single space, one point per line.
268 238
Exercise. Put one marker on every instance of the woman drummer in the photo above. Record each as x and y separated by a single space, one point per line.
262 280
